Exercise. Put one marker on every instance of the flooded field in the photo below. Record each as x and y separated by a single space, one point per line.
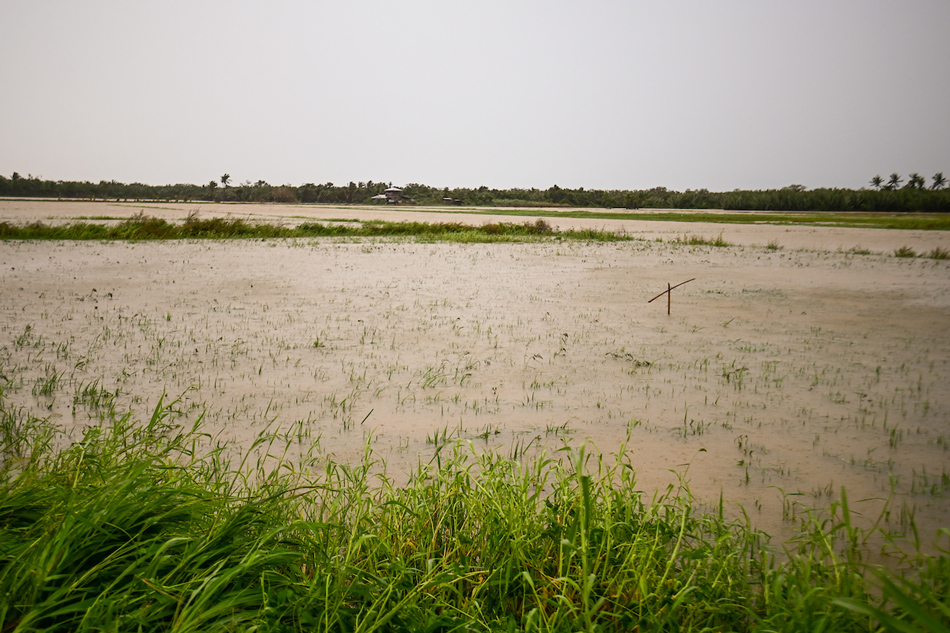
782 374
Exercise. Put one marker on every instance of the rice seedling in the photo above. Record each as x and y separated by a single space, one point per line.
27 338
47 384
94 396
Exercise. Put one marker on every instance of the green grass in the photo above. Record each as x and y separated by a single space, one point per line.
143 227
152 526
934 253
908 221
698 240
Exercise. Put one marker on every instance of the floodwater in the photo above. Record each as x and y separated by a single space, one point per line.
780 376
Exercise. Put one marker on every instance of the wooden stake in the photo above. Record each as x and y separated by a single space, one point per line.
669 294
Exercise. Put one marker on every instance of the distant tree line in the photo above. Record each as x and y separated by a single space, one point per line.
892 195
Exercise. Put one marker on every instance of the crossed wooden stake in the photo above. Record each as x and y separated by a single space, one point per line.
669 293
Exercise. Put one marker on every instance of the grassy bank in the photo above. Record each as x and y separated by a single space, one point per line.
153 526
930 222
150 228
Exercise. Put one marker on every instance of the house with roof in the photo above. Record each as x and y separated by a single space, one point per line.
393 195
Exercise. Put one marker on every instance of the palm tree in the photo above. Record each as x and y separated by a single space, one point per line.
939 181
225 179
916 181
894 182
876 182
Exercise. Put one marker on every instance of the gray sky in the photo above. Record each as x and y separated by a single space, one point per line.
597 94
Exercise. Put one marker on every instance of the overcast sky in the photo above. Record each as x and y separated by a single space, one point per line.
508 93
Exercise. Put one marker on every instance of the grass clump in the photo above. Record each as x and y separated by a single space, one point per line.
935 253
152 526
698 240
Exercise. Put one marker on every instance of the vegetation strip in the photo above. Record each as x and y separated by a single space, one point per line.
151 526
150 228
853 220
143 227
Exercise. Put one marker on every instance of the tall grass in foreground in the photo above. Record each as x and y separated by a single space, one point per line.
148 526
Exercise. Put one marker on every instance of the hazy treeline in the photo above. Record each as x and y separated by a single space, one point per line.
794 198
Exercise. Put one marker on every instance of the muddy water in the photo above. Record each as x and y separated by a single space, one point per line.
779 377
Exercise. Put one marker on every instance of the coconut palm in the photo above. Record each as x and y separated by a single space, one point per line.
916 181
894 182
876 182
225 179
939 181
